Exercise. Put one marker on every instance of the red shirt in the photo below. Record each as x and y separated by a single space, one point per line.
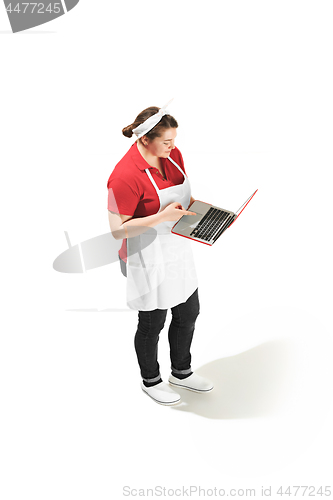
131 192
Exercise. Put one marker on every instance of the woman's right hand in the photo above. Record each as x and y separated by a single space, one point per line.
174 212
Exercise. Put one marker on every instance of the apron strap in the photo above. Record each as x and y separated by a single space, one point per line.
151 178
180 170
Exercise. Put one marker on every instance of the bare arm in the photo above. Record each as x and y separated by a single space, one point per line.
123 226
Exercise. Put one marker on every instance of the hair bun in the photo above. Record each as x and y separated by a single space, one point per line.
127 131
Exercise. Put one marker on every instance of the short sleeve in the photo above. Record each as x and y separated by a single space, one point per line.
121 197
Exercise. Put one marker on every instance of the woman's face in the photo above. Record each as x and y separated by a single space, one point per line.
162 146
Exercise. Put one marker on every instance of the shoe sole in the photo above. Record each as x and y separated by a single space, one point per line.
162 402
190 388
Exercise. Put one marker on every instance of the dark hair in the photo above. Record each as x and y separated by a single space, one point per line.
167 121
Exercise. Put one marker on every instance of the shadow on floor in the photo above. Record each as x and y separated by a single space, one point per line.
254 383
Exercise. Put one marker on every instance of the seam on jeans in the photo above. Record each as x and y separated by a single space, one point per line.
181 372
177 309
178 329
155 379
146 338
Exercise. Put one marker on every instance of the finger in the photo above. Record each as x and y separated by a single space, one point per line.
186 212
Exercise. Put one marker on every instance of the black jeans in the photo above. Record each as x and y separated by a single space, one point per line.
180 337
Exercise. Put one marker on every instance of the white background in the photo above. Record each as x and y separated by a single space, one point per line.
252 86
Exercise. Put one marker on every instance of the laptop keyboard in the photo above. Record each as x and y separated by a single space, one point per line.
212 224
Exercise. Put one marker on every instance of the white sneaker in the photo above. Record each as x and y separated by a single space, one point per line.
193 383
161 393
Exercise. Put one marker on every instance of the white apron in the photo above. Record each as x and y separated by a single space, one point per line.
162 274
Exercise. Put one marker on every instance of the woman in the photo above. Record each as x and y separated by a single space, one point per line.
148 192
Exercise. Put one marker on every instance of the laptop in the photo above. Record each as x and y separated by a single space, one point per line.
209 223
